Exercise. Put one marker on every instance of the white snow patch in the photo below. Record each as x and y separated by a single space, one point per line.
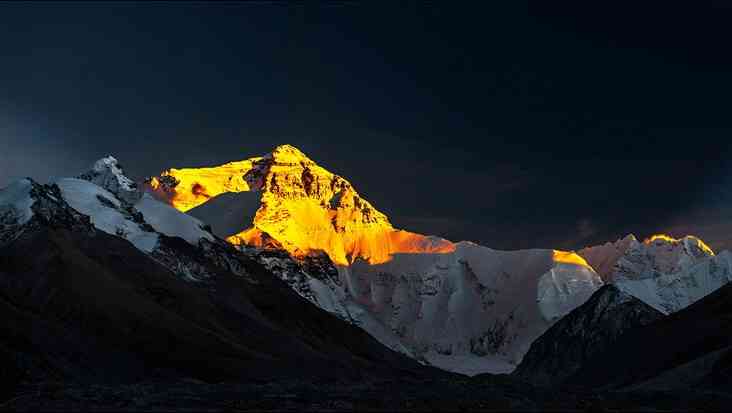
110 164
479 305
15 200
171 222
325 297
84 196
564 288
672 292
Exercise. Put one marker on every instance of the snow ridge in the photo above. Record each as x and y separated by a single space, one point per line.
108 213
84 205
664 272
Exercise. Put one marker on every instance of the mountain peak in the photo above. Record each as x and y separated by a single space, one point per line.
288 154
629 238
109 174
303 206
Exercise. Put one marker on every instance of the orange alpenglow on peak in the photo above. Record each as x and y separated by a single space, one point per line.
188 188
303 208
569 257
671 240
662 237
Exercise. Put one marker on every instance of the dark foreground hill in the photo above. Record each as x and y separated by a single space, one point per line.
589 330
82 306
690 349
616 342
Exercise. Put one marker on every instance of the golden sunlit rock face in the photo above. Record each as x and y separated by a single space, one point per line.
569 258
188 188
669 239
304 208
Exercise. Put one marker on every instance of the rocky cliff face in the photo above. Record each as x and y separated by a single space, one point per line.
306 208
589 330
27 205
108 174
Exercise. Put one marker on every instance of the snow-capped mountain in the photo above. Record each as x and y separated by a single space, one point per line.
659 254
665 273
26 205
151 226
108 174
117 207
460 306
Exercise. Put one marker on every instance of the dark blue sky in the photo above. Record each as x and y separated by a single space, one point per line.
529 125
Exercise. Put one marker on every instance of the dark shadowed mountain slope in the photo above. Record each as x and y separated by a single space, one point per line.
229 213
82 305
590 329
690 348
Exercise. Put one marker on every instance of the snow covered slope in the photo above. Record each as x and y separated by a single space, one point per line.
169 221
26 205
118 207
103 196
139 223
665 273
472 311
108 213
660 254
108 174
671 292
474 301
670 274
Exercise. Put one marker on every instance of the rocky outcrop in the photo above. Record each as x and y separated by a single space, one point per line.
108 174
34 205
